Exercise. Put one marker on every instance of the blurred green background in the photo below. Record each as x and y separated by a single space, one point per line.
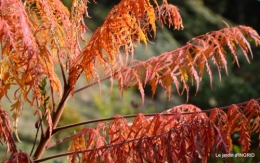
199 17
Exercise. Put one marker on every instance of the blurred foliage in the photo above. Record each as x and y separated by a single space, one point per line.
111 105
69 116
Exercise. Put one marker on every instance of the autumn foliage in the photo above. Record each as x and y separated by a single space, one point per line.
37 35
184 133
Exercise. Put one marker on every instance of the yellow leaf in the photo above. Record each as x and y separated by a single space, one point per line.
142 36
152 18
184 74
17 108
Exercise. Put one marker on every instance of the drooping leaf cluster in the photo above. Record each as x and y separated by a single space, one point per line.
6 132
31 36
181 134
127 23
188 62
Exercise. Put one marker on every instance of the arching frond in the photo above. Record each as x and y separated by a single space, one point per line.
181 134
188 61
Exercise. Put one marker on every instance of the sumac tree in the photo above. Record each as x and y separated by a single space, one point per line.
39 36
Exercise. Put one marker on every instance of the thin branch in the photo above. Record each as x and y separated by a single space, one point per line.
62 72
94 121
40 126
36 136
238 104
102 79
61 141
90 85
134 115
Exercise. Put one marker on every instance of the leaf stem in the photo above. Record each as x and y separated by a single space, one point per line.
36 136
62 71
